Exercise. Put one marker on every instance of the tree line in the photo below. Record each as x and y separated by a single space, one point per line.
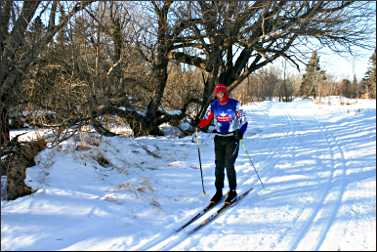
317 83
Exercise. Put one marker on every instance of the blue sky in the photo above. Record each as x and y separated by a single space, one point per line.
339 66
345 65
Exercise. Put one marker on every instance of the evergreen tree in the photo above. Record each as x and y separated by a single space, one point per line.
363 88
312 77
345 88
372 76
368 84
354 87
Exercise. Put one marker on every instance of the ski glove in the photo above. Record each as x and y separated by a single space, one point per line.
206 129
238 135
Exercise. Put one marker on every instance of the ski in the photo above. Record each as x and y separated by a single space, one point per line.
197 216
220 211
175 232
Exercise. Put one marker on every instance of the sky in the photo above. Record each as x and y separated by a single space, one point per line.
339 66
346 65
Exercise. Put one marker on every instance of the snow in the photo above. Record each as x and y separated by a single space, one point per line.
29 134
317 162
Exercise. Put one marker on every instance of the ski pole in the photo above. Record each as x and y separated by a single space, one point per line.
200 159
251 162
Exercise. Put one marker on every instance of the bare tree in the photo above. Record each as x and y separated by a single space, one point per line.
154 33
234 39
129 47
230 40
16 55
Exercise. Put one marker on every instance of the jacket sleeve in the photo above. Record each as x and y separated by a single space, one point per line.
242 120
206 120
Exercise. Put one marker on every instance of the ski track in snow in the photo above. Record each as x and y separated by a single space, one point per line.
316 162
282 148
308 221
309 235
180 237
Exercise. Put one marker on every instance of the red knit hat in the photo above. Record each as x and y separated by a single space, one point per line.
221 88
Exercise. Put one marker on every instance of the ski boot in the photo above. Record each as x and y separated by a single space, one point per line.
217 197
232 194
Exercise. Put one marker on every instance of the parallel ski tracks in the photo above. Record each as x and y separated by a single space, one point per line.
282 147
307 225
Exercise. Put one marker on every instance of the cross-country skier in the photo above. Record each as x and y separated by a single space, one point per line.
229 126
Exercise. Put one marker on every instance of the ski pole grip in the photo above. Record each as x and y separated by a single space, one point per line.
197 135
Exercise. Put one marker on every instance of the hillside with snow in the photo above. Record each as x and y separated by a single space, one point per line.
317 163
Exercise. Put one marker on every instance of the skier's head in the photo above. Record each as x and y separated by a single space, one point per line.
221 93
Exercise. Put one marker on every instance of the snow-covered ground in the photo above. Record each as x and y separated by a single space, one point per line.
317 163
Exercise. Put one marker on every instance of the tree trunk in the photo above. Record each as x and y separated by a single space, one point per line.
4 126
160 68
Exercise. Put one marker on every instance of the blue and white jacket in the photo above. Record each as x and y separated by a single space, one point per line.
227 118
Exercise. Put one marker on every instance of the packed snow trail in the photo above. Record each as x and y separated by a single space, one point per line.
317 163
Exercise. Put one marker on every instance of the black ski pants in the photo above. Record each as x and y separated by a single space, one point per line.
226 152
